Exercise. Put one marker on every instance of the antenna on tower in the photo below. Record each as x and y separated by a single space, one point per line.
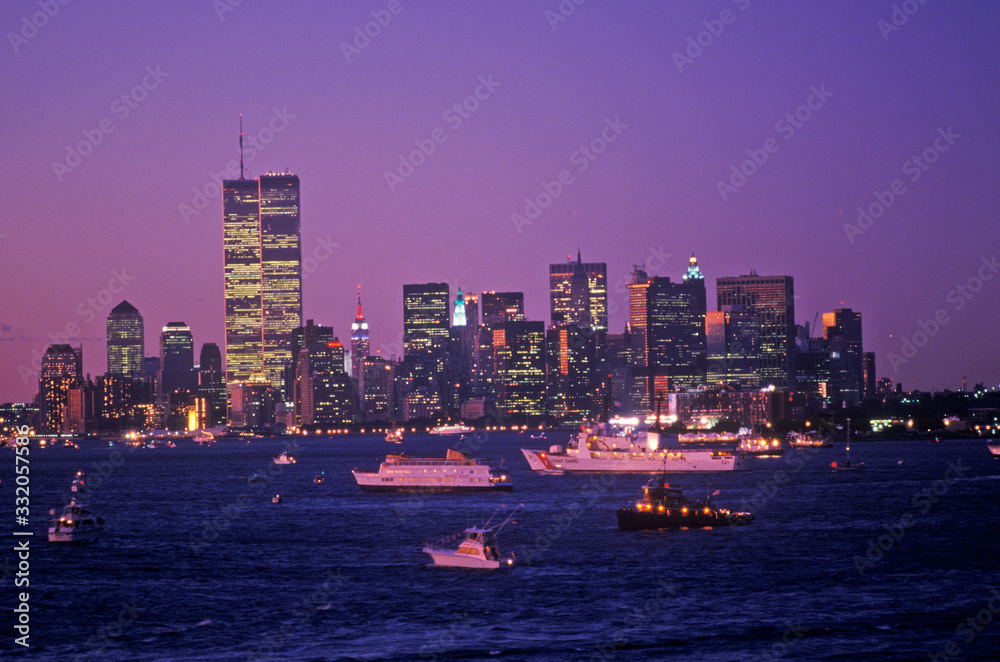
241 145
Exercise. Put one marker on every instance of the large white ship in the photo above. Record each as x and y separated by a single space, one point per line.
607 447
456 472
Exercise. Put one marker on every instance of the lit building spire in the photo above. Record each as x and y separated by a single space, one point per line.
693 272
458 317
360 344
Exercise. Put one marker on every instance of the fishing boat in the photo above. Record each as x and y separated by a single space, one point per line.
666 507
75 522
478 548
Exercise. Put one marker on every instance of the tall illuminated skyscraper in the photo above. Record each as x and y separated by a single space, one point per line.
588 298
263 274
772 299
177 358
125 340
360 345
425 319
241 240
281 270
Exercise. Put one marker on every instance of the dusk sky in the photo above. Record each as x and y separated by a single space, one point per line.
116 114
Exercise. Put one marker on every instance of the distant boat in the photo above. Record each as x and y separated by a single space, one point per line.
456 472
809 440
285 458
451 429
204 437
847 466
318 478
75 523
276 498
394 435
994 447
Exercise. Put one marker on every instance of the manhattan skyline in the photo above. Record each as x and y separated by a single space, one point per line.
477 145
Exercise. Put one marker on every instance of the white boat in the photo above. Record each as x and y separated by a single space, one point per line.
456 472
276 498
994 447
702 437
478 549
204 437
75 524
604 447
758 445
810 440
451 429
394 436
284 458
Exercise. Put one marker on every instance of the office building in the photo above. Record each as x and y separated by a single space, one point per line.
126 341
733 347
842 330
176 359
61 370
519 369
499 307
772 299
360 343
578 293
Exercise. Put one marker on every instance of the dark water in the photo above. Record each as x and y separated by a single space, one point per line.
197 564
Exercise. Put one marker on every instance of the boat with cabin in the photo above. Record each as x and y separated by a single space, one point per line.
666 507
455 472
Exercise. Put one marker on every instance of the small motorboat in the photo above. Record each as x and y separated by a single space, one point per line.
285 458
276 498
318 478
478 548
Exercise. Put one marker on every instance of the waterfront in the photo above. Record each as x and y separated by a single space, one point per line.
197 564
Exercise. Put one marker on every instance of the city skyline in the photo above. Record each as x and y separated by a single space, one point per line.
604 142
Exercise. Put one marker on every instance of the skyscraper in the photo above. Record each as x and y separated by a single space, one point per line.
281 270
519 367
733 343
263 274
62 369
360 345
176 359
126 345
586 302
458 317
498 307
426 319
638 287
842 329
772 299
675 333
211 384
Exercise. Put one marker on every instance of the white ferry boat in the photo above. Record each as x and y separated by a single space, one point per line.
456 472
451 429
605 447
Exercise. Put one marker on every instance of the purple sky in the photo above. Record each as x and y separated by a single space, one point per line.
651 196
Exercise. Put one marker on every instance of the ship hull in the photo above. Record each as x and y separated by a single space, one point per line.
632 520
431 489
449 559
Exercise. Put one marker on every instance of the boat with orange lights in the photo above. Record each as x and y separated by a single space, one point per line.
666 507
